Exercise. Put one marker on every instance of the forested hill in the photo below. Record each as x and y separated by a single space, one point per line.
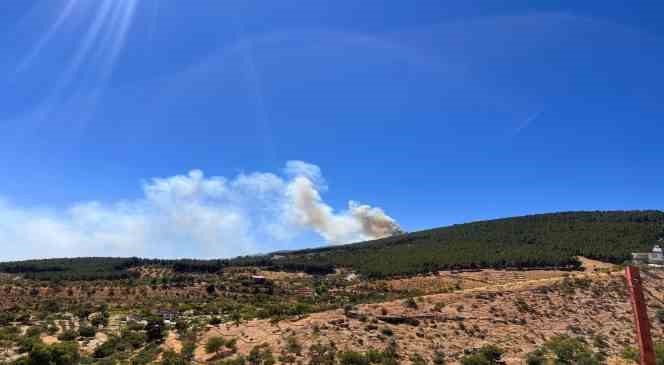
545 240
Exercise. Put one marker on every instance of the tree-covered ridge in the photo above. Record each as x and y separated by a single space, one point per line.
545 240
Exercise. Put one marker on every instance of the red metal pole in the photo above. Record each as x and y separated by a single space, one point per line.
640 315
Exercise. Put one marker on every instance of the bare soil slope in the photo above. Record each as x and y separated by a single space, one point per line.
517 315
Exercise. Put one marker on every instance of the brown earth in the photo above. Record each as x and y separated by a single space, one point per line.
516 310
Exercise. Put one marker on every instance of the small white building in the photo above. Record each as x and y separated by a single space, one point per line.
656 257
653 258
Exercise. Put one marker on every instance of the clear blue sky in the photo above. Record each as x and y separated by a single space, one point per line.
437 112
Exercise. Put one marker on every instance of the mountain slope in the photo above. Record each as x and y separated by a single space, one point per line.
544 240
521 242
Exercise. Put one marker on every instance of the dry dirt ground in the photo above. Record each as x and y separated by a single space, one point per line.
516 310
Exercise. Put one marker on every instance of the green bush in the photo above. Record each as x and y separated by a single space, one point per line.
261 355
68 335
112 345
352 358
633 354
416 359
487 355
214 344
320 354
293 346
63 353
26 343
34 331
147 355
410 303
439 358
569 350
87 331
135 338
170 357
536 357
660 315
6 317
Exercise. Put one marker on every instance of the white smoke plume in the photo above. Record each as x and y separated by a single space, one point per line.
192 216
360 222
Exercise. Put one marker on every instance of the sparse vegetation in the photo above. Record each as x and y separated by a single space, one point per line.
214 344
170 304
566 350
487 355
660 315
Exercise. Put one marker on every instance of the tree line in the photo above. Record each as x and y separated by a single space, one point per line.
536 241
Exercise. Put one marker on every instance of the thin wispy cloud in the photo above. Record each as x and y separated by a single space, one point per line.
526 123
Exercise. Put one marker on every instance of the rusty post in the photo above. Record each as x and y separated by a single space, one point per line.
640 315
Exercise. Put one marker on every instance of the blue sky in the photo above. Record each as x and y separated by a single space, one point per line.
426 114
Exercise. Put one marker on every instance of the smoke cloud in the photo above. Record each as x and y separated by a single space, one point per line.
193 216
359 222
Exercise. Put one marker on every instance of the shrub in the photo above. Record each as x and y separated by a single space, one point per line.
214 344
352 358
348 310
660 315
374 356
181 326
487 355
438 358
261 355
26 343
155 329
34 331
568 350
521 305
416 359
232 344
63 353
170 357
631 353
68 335
6 317
87 331
51 329
210 289
111 346
391 350
293 346
410 303
387 331
147 355
600 342
134 338
215 321
320 354
536 358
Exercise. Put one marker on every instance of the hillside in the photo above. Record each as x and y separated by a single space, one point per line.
536 241
545 240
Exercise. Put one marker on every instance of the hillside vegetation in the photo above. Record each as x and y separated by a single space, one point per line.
545 240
